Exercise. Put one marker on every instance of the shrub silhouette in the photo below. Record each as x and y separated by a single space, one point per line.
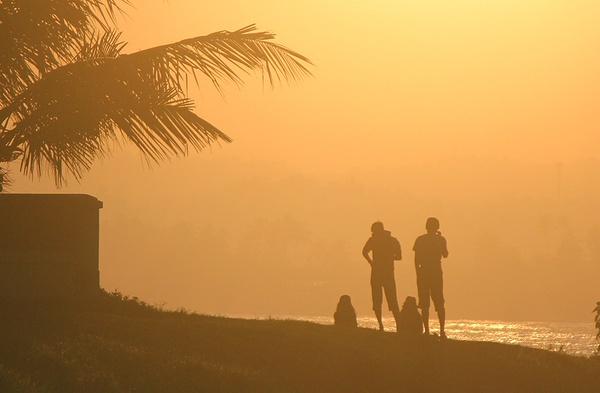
597 325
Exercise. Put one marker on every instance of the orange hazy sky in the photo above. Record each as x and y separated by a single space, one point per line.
483 113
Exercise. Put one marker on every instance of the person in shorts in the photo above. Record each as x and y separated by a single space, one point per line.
429 249
385 249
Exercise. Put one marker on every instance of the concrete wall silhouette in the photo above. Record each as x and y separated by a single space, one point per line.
48 246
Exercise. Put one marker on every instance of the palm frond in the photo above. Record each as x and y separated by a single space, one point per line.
100 47
37 36
222 56
67 119
64 120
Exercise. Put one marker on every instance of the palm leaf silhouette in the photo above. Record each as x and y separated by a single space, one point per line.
38 36
61 108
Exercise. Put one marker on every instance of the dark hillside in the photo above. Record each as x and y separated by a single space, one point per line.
121 346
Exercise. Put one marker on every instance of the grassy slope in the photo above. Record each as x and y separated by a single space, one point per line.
118 346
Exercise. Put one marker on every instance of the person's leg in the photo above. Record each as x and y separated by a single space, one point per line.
377 295
425 316
396 314
424 294
442 317
392 298
379 319
437 294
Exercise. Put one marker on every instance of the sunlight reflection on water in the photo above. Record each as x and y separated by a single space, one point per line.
571 337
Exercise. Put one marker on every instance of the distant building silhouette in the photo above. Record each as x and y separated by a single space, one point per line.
48 246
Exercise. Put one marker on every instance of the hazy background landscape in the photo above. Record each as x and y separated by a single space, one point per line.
484 114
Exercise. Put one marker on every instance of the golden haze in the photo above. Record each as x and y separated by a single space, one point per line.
484 114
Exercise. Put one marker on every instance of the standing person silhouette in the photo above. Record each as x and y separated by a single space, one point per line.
385 250
429 250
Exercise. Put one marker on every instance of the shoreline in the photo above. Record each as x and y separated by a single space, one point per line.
573 338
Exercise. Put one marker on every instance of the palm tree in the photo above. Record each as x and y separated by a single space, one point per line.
68 90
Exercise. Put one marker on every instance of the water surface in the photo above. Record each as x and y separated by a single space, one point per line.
575 338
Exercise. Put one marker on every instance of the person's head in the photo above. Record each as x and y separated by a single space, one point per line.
432 225
410 303
377 228
345 302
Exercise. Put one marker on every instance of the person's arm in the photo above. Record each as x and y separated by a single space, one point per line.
416 253
444 248
397 250
366 250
